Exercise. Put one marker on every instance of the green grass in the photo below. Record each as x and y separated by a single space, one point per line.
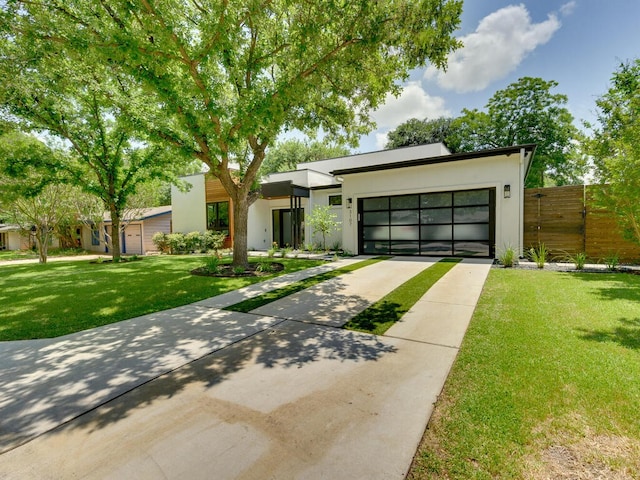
29 254
380 316
547 382
256 302
41 301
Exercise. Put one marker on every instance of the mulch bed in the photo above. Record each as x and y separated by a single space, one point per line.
254 270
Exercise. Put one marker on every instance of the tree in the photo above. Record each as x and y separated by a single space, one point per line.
323 220
36 202
51 88
523 113
420 132
285 155
223 79
615 148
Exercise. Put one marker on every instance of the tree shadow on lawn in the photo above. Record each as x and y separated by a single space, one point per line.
613 286
627 334
46 383
376 315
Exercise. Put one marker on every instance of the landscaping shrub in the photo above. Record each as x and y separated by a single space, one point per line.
161 242
194 242
176 243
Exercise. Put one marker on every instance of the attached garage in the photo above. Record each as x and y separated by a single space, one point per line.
456 223
460 205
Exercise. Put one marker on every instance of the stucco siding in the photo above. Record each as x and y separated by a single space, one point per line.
189 209
489 172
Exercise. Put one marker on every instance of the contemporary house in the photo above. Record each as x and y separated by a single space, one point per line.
420 200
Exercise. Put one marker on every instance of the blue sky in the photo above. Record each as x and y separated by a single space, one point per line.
578 43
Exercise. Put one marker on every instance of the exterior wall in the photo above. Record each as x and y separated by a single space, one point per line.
321 198
160 223
259 233
190 208
15 241
489 172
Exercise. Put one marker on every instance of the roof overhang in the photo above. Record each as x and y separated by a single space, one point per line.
283 189
456 157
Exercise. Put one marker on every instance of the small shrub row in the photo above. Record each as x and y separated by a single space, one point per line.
192 242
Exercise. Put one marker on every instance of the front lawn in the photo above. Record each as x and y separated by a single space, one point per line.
40 301
546 384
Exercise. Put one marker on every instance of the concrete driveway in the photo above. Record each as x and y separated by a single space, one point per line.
284 393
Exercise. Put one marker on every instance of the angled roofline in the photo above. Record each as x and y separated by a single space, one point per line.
441 159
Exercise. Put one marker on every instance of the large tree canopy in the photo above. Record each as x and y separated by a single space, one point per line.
523 113
420 132
224 78
285 155
51 88
615 148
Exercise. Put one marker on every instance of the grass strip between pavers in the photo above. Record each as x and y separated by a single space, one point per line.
252 303
380 316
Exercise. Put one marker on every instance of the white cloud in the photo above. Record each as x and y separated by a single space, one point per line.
568 8
413 102
499 44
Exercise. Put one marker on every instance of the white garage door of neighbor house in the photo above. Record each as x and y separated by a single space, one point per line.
133 240
454 223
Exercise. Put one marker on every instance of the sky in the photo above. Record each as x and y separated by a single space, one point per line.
577 43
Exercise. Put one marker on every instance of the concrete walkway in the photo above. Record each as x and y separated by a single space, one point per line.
284 395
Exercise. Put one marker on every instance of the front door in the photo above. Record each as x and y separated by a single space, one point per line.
287 228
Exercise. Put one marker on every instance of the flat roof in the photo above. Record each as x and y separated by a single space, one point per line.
441 159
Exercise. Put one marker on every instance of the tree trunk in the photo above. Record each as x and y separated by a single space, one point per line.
115 235
42 239
240 224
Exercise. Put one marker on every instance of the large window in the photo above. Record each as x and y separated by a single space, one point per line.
444 223
218 217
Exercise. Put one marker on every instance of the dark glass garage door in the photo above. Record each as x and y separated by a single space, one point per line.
460 223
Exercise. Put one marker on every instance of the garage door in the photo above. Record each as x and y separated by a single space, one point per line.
133 240
458 223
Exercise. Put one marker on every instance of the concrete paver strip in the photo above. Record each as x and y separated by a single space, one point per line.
256 289
443 313
336 301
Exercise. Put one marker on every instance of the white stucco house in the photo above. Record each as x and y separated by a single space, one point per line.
420 200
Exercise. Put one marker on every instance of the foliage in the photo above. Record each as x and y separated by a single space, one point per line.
66 93
178 243
221 82
29 197
420 132
538 255
285 155
526 112
42 301
615 148
322 220
612 260
212 264
508 257
161 242
546 368
578 259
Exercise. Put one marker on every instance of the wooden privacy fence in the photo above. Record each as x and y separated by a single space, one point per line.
567 222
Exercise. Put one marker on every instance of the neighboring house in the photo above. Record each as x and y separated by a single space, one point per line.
136 239
419 200
11 238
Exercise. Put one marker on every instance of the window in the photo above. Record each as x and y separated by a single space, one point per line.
218 217
95 236
335 200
